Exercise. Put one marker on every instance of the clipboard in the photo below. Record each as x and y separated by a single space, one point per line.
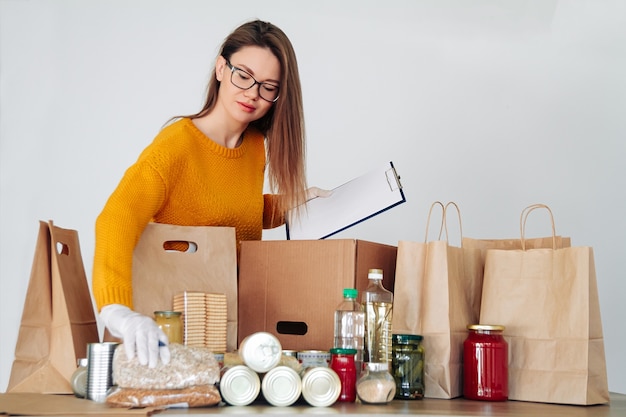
349 204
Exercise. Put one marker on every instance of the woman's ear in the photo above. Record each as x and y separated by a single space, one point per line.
220 65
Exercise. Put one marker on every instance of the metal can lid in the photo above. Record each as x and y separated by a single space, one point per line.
79 382
313 352
405 339
290 352
239 385
260 351
281 386
167 313
321 386
486 327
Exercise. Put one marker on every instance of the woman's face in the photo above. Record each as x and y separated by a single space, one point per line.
250 66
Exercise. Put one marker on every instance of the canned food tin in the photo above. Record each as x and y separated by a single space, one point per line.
321 386
260 351
291 353
219 357
239 385
313 358
99 370
79 379
281 386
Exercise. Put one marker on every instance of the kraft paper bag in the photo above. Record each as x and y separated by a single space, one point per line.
170 259
547 299
436 295
58 319
516 243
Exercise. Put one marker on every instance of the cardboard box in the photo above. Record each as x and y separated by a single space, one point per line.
292 288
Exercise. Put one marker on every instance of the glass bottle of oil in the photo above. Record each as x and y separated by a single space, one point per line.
378 306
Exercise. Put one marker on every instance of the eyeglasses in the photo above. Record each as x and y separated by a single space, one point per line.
244 80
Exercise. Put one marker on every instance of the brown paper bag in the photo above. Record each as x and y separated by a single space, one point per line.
547 299
436 295
516 243
209 265
58 319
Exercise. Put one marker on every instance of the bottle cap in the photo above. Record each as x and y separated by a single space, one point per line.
486 327
350 292
375 274
321 387
342 351
404 339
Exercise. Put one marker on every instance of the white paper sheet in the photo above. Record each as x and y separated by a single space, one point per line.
350 203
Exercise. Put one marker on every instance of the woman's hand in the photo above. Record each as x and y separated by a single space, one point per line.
314 192
140 334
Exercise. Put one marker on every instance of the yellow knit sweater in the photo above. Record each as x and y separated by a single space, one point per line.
186 179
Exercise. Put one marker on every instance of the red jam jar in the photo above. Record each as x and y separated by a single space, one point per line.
342 362
485 363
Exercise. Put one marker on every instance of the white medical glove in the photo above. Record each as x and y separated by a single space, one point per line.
139 333
317 192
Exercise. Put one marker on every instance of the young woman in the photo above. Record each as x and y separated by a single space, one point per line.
208 169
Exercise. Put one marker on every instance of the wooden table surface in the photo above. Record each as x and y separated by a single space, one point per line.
68 405
427 407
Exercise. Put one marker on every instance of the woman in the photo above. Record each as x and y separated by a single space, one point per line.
208 169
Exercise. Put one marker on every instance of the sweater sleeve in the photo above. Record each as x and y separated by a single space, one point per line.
130 208
271 216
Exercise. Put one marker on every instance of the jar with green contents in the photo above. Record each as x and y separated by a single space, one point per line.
407 363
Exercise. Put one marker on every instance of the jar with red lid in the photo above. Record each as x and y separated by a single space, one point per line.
485 363
342 362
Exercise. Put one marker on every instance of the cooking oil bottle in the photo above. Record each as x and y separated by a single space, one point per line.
378 306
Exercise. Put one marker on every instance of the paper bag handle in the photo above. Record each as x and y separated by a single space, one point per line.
443 218
524 217
458 212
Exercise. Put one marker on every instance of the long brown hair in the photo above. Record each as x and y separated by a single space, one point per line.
283 124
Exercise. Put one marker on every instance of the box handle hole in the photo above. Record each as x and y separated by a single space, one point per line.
298 328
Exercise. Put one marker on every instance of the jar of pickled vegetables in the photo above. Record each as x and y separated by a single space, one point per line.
485 363
407 364
171 323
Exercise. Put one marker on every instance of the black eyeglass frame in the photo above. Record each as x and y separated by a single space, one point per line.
260 84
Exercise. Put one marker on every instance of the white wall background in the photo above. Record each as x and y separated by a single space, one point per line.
493 104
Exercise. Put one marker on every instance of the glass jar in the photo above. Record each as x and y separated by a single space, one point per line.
342 362
171 323
407 364
485 363
376 385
